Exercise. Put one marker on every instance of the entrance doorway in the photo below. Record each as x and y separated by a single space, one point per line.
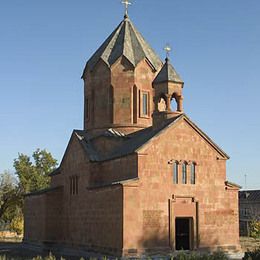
183 227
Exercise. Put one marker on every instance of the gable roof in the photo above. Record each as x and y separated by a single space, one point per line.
249 195
125 41
167 74
135 141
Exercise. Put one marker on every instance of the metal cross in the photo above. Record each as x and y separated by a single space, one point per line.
126 3
167 49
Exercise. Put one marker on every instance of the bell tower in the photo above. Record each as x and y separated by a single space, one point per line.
167 88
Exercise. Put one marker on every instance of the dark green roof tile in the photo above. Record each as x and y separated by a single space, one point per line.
167 74
125 41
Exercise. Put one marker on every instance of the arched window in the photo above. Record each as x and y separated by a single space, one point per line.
135 104
184 173
162 103
145 98
175 172
174 103
193 173
144 104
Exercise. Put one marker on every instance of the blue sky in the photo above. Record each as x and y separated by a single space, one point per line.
44 46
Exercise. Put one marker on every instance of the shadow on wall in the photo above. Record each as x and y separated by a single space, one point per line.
157 242
154 241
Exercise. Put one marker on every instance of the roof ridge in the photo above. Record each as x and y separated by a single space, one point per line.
147 49
140 47
100 51
114 53
130 50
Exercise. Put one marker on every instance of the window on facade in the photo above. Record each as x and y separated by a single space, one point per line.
145 97
245 212
74 185
111 103
192 173
175 172
135 104
184 173
162 104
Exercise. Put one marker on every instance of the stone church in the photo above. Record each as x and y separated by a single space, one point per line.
141 176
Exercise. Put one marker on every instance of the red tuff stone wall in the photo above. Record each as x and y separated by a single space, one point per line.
34 218
154 200
90 216
114 170
113 96
53 215
90 219
41 214
140 214
93 219
97 112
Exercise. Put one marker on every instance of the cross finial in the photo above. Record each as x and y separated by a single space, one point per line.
126 3
167 49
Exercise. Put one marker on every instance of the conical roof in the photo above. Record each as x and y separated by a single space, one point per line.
167 73
125 41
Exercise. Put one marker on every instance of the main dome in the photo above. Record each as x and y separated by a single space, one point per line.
125 41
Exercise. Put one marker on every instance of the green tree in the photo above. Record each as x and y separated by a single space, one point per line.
255 228
17 224
10 196
33 174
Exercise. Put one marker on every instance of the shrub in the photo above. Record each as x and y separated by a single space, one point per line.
215 256
253 255
255 229
17 224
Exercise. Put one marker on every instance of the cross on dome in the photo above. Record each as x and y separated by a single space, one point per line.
167 49
126 3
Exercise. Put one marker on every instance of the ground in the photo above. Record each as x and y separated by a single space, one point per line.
15 251
249 244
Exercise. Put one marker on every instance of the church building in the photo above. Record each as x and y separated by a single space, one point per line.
141 176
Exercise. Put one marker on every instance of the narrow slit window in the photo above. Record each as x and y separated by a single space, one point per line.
77 185
175 173
145 104
184 173
73 185
70 185
193 173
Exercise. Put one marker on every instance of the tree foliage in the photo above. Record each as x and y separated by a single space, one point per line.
33 174
255 229
17 223
10 196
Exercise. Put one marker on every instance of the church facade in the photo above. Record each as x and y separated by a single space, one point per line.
141 176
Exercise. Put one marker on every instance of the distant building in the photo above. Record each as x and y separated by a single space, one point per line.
249 209
140 176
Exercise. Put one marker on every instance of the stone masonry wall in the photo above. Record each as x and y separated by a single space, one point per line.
114 96
114 170
34 218
92 218
151 199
